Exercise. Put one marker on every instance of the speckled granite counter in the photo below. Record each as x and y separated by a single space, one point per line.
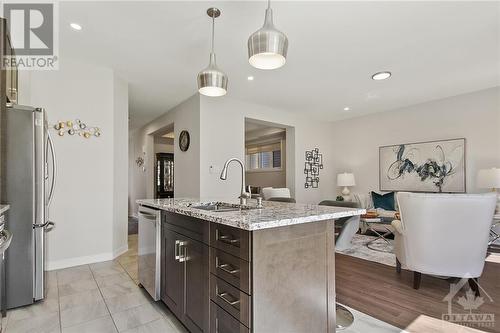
274 214
4 208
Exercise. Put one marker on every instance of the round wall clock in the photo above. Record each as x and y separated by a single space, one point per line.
184 140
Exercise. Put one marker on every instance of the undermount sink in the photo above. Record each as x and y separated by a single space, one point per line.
222 207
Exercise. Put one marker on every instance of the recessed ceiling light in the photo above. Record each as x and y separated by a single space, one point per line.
250 78
76 26
347 108
381 76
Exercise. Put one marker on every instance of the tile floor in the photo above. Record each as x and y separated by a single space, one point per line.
104 297
96 298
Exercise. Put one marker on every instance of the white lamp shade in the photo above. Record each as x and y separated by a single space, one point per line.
345 179
489 178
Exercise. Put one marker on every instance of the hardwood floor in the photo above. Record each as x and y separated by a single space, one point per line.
379 291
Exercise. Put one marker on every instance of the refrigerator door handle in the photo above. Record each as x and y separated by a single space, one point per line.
50 225
54 167
42 225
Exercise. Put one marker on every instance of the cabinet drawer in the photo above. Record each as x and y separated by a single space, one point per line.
186 225
231 299
231 240
231 269
223 322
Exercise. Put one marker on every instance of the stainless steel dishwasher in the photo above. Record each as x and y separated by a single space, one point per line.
149 250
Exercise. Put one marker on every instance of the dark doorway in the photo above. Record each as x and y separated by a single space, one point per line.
164 171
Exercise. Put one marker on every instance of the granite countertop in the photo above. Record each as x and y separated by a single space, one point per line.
4 208
274 214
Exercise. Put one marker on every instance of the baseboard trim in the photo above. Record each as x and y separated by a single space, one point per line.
85 260
118 252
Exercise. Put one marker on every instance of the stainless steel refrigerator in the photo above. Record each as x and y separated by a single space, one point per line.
30 170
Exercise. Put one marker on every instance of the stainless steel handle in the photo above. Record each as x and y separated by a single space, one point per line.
183 252
176 250
147 215
54 167
228 239
41 225
223 297
228 268
50 226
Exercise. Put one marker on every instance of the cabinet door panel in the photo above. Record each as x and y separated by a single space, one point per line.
173 273
196 306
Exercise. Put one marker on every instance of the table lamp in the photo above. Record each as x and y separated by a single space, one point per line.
346 180
490 178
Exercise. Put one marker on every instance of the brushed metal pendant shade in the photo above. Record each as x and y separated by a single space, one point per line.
267 47
211 80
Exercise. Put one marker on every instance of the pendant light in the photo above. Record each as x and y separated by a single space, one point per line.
267 47
212 81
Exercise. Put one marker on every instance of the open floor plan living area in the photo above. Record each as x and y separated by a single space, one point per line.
249 166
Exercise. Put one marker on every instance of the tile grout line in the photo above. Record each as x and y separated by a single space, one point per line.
103 299
58 303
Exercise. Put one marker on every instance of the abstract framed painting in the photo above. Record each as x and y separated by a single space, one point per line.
433 166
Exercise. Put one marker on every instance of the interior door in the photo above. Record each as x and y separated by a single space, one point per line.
196 314
173 278
164 175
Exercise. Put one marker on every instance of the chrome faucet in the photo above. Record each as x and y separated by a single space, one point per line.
244 194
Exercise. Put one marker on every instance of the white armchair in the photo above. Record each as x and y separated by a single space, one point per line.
443 234
271 192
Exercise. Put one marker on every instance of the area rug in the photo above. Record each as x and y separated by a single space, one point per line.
359 250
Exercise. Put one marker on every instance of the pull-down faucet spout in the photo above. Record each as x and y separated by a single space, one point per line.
244 194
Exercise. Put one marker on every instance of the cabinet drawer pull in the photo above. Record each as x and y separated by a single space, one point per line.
223 296
176 250
228 268
228 239
183 251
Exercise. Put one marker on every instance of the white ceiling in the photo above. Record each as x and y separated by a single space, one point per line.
433 49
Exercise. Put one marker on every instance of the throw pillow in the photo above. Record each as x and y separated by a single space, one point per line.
384 201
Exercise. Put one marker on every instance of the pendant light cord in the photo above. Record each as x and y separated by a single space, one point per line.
268 3
213 31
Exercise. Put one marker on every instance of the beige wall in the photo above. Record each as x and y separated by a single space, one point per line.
474 116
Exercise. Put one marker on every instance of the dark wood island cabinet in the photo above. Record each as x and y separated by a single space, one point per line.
256 270
206 288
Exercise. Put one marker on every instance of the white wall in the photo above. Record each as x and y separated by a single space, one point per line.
120 167
474 116
223 136
87 203
185 116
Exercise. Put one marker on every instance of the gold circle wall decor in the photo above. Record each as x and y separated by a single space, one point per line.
76 127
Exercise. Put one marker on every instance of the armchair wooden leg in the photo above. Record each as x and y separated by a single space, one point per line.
417 277
398 266
474 286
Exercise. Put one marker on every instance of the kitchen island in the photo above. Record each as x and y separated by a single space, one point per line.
235 268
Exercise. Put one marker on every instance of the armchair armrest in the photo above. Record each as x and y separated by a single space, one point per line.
398 226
